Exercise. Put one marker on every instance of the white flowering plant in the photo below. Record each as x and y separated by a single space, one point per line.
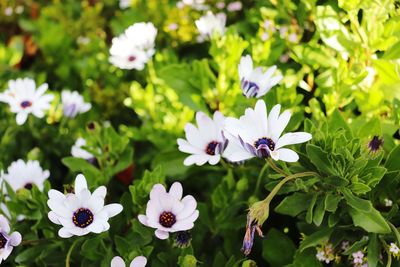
199 133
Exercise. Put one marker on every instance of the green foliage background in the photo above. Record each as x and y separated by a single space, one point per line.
328 85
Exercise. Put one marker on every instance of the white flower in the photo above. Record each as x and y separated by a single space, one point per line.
211 24
24 175
195 4
169 212
255 82
139 261
123 4
394 249
388 202
7 242
24 98
235 6
207 142
260 134
81 212
134 48
73 104
78 152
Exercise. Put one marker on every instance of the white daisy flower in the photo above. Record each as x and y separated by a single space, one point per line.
255 82
124 4
169 212
25 175
207 142
81 212
78 152
260 134
211 24
24 99
7 242
73 104
139 261
134 48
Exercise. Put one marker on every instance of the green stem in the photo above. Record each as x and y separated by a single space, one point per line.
67 259
276 168
395 231
28 242
260 176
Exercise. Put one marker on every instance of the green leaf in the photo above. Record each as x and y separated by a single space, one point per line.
392 162
294 204
320 159
373 250
331 202
309 215
371 221
316 238
355 202
336 122
187 261
319 213
278 248
305 258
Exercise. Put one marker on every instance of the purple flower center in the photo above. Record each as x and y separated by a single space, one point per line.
167 219
28 186
82 217
3 241
26 104
250 89
211 147
375 143
131 58
263 146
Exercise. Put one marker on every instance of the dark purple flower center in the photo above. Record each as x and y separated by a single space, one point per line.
131 58
250 89
82 217
3 241
211 147
28 186
183 238
26 104
375 143
265 141
167 219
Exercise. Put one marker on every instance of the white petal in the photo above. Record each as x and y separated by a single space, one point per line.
4 225
280 125
64 233
15 239
117 262
53 217
157 191
293 138
161 234
80 183
287 155
176 190
196 159
113 209
186 223
139 261
100 192
21 117
214 159
190 205
143 219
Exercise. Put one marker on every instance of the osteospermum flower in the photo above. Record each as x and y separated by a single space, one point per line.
168 212
207 142
73 104
260 134
7 241
78 152
24 98
81 212
134 48
211 24
255 82
22 174
139 261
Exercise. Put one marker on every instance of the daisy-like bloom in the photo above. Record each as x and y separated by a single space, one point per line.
255 82
78 152
375 144
207 142
7 241
24 99
139 261
211 24
168 212
394 249
73 104
81 212
260 134
25 175
143 35
325 253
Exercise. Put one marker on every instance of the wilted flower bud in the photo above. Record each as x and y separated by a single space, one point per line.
375 144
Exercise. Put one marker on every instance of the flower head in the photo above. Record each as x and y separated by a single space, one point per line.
248 239
143 35
211 24
182 239
78 152
73 104
375 144
7 241
81 212
168 211
24 98
325 253
124 4
139 261
22 174
207 142
260 134
255 82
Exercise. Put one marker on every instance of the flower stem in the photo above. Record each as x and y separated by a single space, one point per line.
260 176
29 242
276 168
395 231
67 259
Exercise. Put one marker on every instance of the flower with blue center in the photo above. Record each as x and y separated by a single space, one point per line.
24 98
7 241
168 212
253 81
139 261
73 104
206 142
260 134
81 212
